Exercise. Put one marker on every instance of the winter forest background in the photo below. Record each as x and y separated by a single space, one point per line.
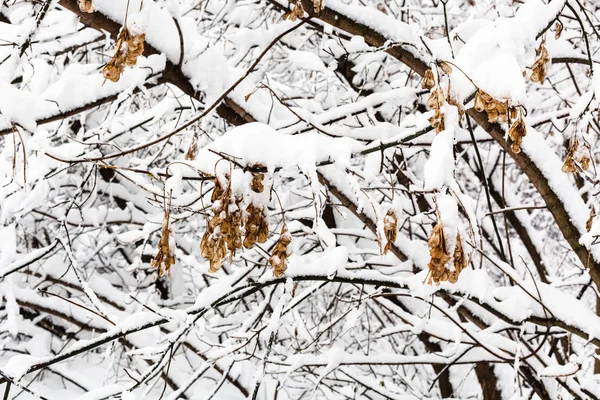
271 199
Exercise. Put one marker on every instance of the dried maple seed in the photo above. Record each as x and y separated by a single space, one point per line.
86 6
437 121
318 6
280 253
558 28
460 261
390 226
438 272
435 101
496 110
576 154
588 224
164 259
192 151
516 133
257 182
444 66
539 68
428 80
438 253
479 104
256 226
296 12
223 230
127 50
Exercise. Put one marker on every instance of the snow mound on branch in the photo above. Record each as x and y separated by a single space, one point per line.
496 56
257 143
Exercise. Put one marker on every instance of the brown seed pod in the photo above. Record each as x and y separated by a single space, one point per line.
576 154
164 259
516 133
428 80
493 116
444 66
297 11
256 226
318 4
127 50
496 110
280 253
539 68
257 182
86 6
558 27
479 104
438 272
223 230
437 121
113 70
390 226
192 151
460 261
439 254
588 224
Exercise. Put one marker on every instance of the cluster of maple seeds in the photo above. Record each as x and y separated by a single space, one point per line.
437 98
576 155
499 111
129 47
224 229
440 257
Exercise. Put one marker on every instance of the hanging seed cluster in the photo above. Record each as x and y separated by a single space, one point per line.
86 6
497 111
390 226
576 155
129 47
281 252
255 221
223 232
164 259
516 132
540 67
436 100
440 257
296 11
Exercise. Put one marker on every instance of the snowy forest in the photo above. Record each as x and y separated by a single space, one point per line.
299 199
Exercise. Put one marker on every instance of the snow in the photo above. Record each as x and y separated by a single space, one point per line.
257 143
535 146
18 365
497 53
348 314
560 370
307 60
439 168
